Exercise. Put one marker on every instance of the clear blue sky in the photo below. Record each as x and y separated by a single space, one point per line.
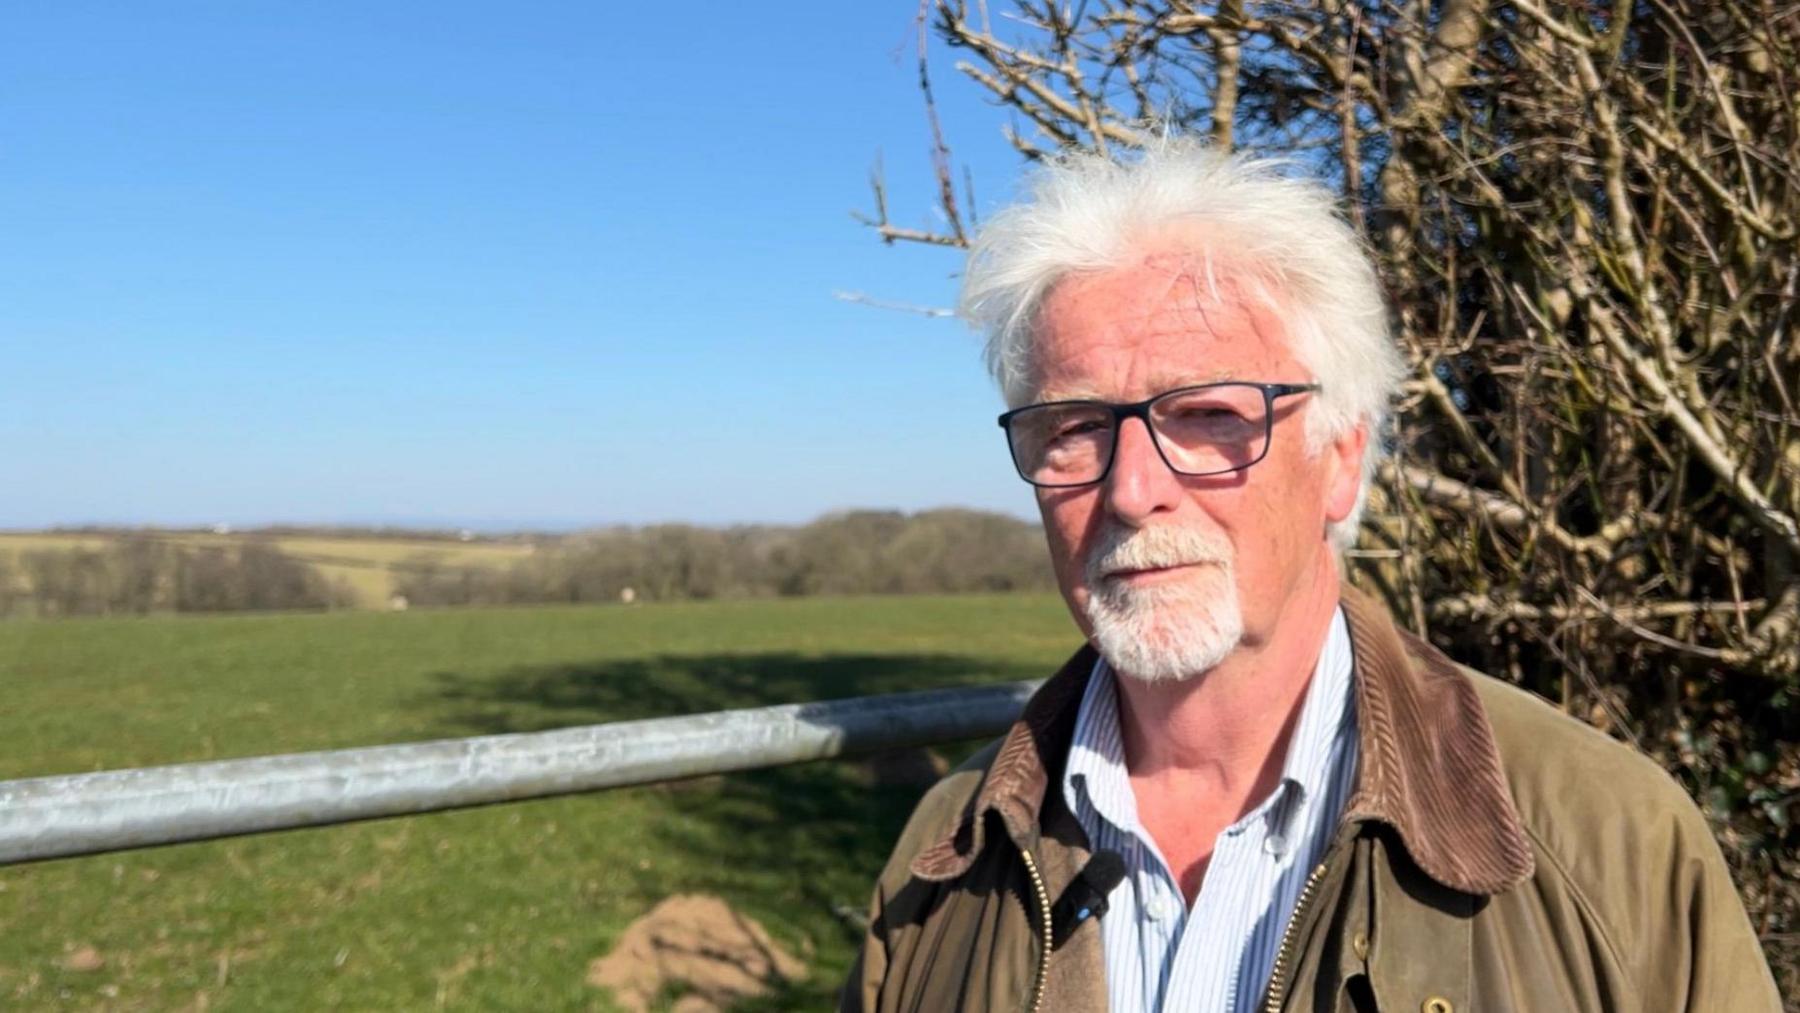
472 264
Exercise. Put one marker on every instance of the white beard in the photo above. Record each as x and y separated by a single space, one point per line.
1171 631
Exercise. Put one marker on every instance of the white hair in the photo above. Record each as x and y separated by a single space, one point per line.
1279 236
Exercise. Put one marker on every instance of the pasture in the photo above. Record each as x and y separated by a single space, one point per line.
501 907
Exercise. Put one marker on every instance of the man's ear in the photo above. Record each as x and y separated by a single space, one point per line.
1343 462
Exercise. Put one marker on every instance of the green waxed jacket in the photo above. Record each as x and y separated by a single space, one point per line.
1496 855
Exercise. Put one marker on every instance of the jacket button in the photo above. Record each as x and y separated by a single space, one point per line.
1437 1004
1360 943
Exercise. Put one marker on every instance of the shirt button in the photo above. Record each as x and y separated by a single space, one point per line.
1275 844
1157 908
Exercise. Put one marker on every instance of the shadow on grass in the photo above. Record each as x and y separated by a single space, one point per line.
554 696
797 847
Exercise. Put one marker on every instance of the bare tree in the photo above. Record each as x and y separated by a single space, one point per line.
1586 216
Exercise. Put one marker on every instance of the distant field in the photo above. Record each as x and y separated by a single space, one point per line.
365 564
497 908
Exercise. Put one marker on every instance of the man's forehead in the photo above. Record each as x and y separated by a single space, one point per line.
1178 323
1084 388
1168 295
1171 279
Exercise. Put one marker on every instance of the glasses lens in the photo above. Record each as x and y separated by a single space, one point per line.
1212 429
1061 444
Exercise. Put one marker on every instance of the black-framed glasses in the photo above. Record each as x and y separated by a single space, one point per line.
1208 429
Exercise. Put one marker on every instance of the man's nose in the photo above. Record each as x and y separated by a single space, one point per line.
1141 484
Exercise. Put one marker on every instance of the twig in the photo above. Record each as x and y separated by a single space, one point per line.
885 304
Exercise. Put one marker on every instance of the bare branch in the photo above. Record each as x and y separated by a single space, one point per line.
887 304
1225 60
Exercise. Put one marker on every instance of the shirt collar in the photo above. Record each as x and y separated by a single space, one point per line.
1326 719
1095 773
1427 765
1096 780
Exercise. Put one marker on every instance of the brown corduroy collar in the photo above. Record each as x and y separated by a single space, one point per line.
1428 765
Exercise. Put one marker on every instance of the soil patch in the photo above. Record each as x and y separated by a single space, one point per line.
698 945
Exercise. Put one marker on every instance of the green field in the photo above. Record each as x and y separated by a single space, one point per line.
500 907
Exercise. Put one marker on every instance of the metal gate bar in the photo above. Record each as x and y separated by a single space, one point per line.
114 810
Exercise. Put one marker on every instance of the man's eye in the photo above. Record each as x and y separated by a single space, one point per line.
1079 427
1209 413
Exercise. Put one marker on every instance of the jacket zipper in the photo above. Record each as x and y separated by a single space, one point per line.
1278 976
1043 899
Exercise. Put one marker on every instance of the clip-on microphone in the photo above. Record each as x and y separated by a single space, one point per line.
1085 897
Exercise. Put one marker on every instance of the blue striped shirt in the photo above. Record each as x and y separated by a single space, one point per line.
1258 865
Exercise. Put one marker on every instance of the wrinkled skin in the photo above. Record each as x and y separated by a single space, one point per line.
1158 324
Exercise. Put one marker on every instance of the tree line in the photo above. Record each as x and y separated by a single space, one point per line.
139 573
854 552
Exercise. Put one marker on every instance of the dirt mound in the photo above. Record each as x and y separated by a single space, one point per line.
84 959
696 943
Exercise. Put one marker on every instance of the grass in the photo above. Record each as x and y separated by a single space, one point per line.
501 907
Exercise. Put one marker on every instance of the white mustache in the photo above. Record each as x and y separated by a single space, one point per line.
1125 548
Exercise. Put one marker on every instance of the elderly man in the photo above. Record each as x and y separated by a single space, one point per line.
1252 790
